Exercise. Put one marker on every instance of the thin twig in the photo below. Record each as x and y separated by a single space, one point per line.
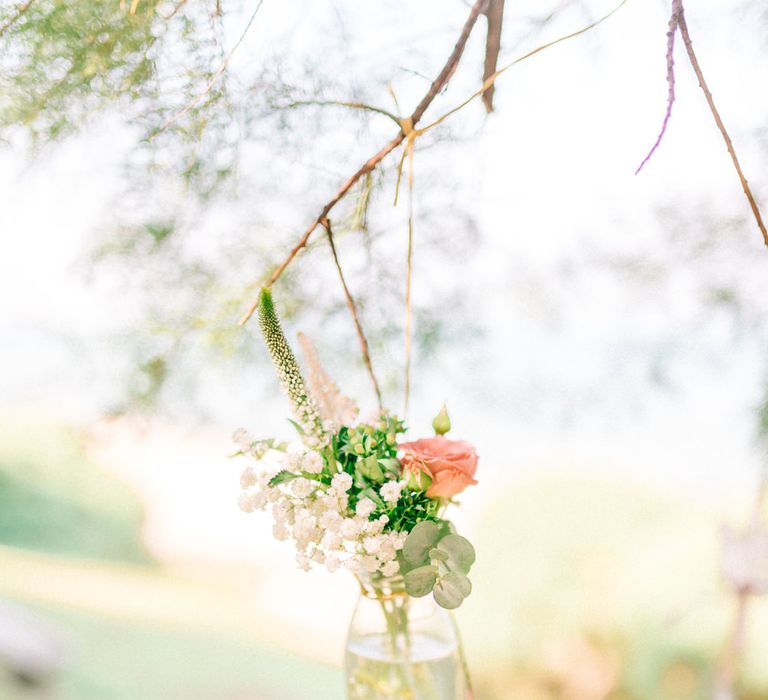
492 79
408 278
728 143
179 5
364 169
355 316
340 103
412 134
440 82
674 21
20 10
453 60
214 79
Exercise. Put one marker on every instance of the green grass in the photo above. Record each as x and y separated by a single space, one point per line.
53 499
129 661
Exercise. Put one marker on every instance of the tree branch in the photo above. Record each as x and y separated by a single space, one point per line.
495 14
684 33
355 316
406 126
492 78
453 60
674 22
20 11
214 79
179 5
340 103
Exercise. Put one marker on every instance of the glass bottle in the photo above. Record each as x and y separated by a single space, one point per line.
402 648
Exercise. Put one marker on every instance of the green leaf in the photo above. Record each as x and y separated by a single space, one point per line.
370 469
461 553
459 581
281 477
449 591
420 581
419 541
390 464
299 429
438 555
371 493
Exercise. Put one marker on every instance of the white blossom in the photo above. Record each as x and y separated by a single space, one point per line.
242 438
331 541
245 503
341 483
390 568
302 487
349 528
364 507
390 491
280 532
259 500
312 462
317 516
330 520
248 478
372 544
293 461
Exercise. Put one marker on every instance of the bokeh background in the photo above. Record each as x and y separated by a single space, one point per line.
599 336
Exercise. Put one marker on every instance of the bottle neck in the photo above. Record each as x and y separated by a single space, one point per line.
381 588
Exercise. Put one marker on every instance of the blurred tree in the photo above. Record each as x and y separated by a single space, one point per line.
202 139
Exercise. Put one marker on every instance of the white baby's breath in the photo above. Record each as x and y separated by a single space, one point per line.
390 491
312 463
317 517
248 478
364 507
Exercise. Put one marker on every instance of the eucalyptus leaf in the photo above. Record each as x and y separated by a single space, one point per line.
448 594
462 583
419 541
461 553
438 554
420 581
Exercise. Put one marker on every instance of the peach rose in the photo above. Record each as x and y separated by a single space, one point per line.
450 463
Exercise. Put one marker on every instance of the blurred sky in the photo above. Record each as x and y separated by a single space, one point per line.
561 380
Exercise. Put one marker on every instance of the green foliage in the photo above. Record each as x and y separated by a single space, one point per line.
420 581
282 477
181 119
461 553
71 58
451 589
369 454
438 563
420 541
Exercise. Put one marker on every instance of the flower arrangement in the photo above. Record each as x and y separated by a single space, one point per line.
353 494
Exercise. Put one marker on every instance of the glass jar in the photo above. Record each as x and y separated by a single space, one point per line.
402 648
